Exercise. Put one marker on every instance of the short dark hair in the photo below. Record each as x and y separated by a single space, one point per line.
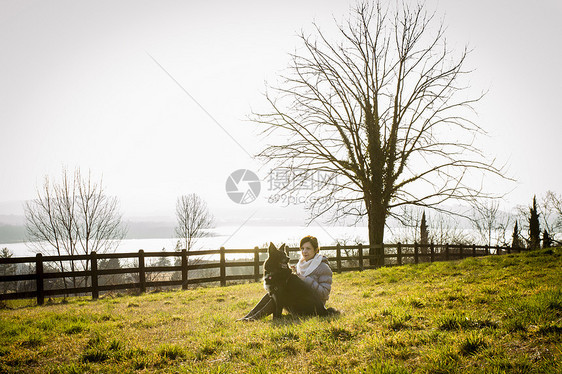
312 240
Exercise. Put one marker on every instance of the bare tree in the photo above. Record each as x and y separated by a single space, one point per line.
555 201
484 219
447 231
491 224
72 217
442 229
504 237
384 110
550 209
193 219
410 221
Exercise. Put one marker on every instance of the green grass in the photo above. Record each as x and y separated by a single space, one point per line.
500 314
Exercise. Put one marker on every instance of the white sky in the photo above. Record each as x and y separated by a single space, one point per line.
78 88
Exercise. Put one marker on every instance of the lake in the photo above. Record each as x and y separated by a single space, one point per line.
235 237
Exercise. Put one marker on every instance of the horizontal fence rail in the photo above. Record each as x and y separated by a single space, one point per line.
44 276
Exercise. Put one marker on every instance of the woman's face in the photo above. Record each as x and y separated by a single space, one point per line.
307 251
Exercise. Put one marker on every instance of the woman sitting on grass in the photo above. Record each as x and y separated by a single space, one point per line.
312 268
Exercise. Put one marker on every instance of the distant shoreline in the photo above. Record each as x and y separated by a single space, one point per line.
234 237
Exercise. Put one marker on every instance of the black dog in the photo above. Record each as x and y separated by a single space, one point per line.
287 290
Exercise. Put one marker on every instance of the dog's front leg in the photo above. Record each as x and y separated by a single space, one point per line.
278 311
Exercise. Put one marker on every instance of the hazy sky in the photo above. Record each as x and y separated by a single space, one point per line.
81 86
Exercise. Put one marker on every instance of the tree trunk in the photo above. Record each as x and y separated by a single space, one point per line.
376 235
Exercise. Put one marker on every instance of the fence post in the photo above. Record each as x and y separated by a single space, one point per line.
184 273
399 253
39 279
338 257
256 264
360 247
447 252
508 250
381 261
474 250
416 253
94 275
223 267
498 250
432 252
487 250
142 274
461 251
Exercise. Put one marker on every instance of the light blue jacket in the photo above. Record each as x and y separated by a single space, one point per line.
320 280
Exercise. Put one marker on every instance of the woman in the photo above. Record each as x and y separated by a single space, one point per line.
312 268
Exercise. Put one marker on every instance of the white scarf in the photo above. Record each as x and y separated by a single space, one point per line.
304 268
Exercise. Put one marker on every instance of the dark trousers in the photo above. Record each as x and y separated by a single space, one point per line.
265 307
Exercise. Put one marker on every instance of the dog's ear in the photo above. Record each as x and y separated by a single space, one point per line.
284 249
272 247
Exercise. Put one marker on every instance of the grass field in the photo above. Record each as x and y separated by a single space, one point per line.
493 314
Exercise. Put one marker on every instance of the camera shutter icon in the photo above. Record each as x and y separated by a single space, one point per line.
243 186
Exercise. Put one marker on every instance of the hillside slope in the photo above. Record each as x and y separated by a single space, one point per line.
493 314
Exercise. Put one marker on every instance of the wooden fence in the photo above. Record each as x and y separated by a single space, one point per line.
43 275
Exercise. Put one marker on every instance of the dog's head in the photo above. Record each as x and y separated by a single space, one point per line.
278 259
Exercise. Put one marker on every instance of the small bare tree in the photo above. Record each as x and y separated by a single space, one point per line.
72 217
193 219
444 230
490 223
410 221
555 200
440 228
484 219
550 208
